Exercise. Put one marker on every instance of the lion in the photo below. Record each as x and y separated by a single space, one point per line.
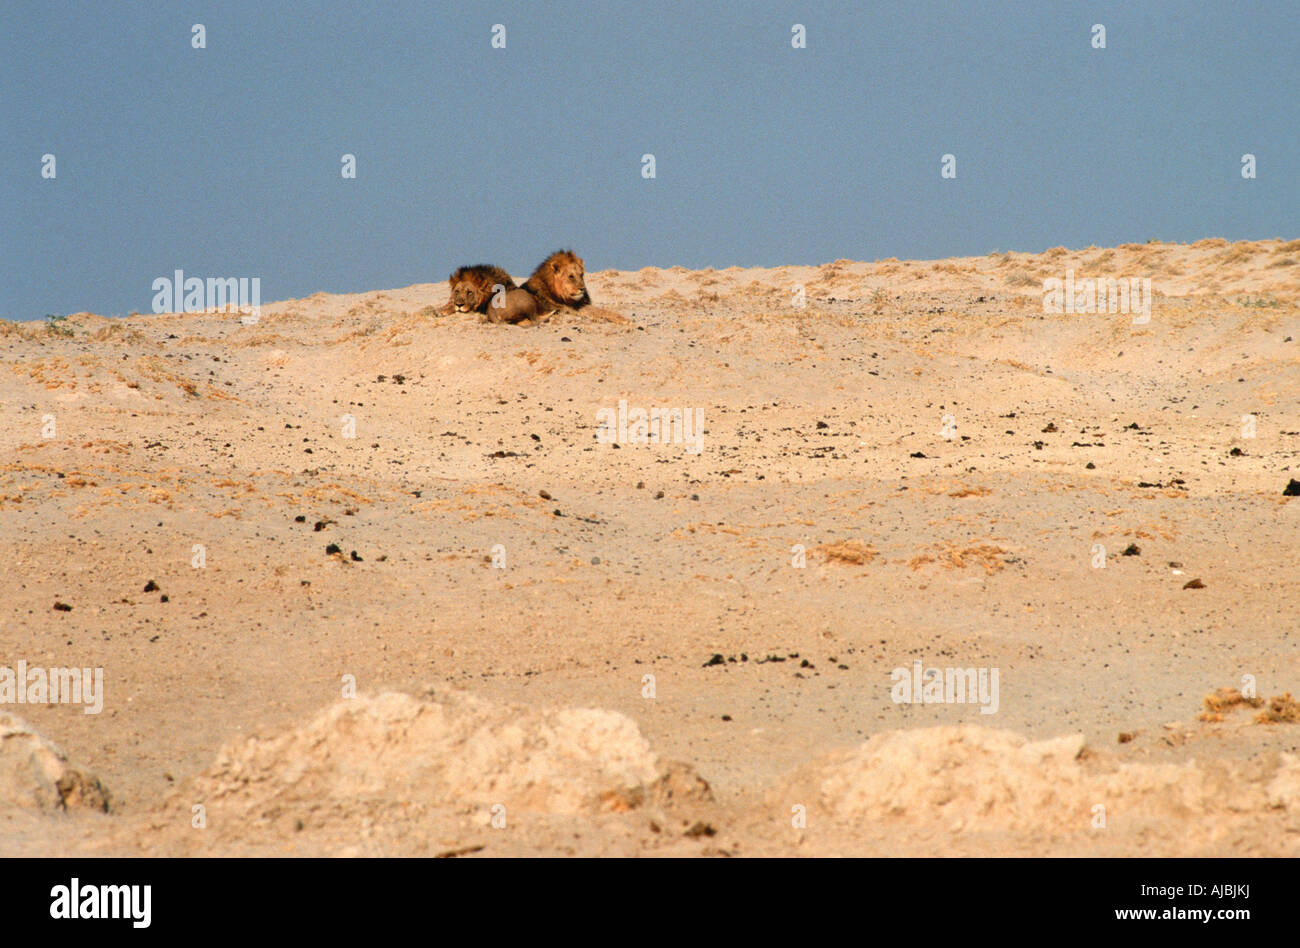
473 289
557 284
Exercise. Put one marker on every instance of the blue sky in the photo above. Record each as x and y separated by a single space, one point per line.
225 161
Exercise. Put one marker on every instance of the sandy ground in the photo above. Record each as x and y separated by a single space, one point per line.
969 541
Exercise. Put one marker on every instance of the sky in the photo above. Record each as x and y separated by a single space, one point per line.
226 161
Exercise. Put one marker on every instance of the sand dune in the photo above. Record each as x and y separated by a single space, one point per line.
355 490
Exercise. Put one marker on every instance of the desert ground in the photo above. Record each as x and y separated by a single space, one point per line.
402 600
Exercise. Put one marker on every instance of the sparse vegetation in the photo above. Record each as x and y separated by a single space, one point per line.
57 325
853 552
1238 253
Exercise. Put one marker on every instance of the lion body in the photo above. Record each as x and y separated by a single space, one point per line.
558 283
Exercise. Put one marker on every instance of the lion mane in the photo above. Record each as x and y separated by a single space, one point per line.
472 288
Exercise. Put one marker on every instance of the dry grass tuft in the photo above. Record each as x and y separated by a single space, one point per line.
853 552
1225 699
955 556
971 492
1281 710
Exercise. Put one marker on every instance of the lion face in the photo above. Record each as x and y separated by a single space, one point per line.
569 279
472 288
467 296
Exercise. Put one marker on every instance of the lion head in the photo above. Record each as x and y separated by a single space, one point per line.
560 279
472 288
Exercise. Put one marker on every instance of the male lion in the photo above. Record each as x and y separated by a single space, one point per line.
473 289
557 283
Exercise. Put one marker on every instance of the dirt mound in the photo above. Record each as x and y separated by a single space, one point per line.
970 778
458 752
34 773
